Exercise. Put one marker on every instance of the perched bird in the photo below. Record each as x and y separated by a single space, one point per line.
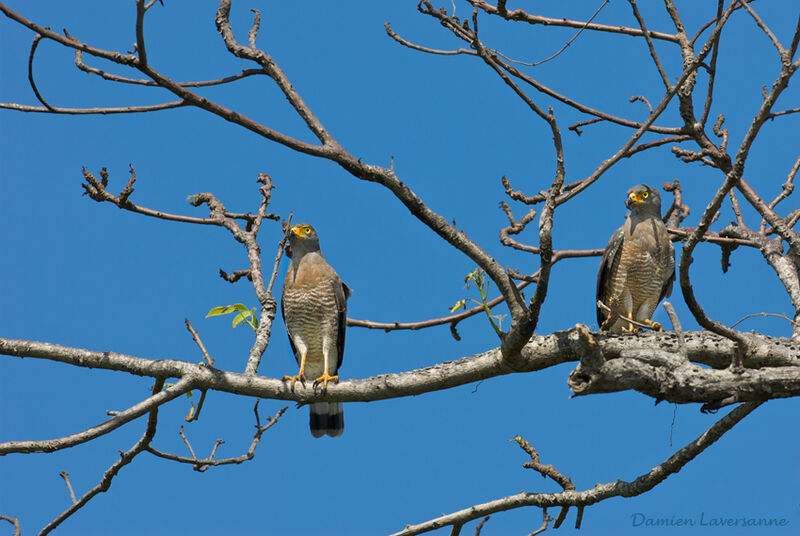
314 308
638 265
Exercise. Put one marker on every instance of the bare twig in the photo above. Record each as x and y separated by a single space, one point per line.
676 327
199 343
451 319
479 528
14 521
653 54
792 322
520 15
97 191
202 465
125 458
546 519
150 83
235 276
786 190
414 46
65 476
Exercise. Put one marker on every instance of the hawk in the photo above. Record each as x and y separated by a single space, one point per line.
638 265
314 308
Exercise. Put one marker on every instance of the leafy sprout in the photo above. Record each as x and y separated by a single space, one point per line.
478 278
243 314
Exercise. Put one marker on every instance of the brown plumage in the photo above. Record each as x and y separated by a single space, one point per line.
314 307
638 265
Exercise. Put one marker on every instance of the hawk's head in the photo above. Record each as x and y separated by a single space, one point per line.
644 199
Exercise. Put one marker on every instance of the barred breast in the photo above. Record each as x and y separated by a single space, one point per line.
311 318
646 261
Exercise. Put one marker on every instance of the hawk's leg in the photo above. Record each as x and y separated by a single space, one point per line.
301 374
631 328
325 378
655 326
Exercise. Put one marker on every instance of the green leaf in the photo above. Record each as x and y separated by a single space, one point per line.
227 309
222 310
239 317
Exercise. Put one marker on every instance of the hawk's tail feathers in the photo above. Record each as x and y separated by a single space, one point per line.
327 418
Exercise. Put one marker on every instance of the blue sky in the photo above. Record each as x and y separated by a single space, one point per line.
81 274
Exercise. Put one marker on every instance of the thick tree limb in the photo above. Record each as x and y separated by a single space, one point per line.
541 352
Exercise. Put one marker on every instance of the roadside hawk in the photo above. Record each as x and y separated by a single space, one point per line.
314 308
638 265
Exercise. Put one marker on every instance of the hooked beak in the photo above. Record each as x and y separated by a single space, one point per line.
633 199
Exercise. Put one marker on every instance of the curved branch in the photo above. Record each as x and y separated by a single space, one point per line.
142 82
93 111
14 521
69 41
600 492
125 458
151 403
411 45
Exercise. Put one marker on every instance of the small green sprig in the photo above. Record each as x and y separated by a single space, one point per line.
243 314
478 278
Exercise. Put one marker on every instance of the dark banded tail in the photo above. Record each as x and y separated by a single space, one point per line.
327 418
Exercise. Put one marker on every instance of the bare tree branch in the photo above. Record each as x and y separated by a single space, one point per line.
149 404
540 352
202 465
14 521
600 492
125 458
520 15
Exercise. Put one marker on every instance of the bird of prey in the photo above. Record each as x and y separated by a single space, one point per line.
638 265
314 308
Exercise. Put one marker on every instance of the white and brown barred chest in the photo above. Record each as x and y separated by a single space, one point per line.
646 262
311 313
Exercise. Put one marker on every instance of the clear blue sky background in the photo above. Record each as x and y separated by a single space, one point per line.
82 274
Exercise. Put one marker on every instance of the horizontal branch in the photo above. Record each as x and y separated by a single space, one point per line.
451 319
667 376
540 353
93 111
520 15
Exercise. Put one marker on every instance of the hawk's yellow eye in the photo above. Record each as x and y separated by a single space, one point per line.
644 195
306 230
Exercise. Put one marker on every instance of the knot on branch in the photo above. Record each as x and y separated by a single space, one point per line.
591 361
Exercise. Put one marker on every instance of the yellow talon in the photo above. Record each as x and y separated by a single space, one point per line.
300 376
655 326
631 328
325 378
